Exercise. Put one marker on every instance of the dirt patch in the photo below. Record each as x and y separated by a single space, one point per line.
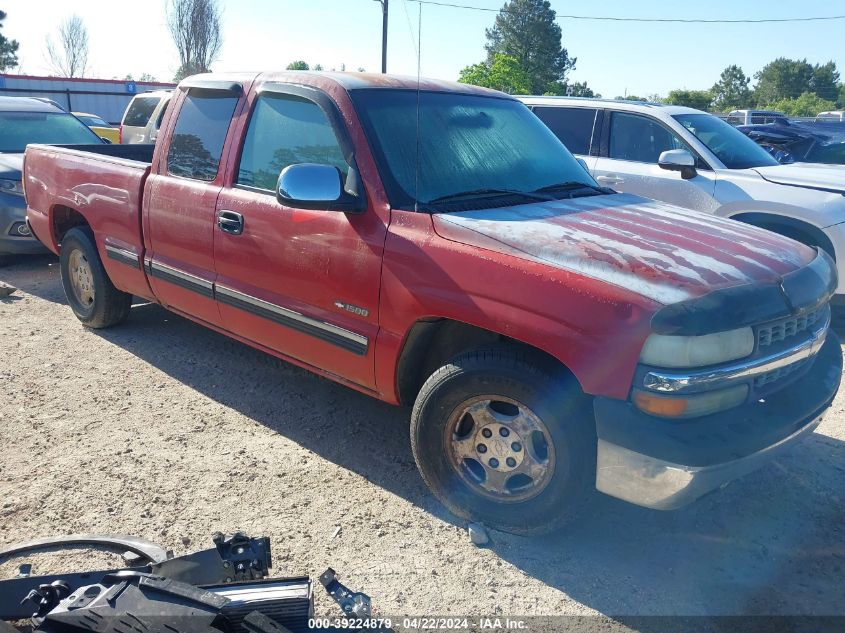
165 430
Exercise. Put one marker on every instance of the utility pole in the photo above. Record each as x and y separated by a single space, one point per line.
384 11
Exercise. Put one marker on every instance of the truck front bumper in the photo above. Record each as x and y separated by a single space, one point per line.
15 235
665 464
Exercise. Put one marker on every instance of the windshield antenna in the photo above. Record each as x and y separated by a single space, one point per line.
419 66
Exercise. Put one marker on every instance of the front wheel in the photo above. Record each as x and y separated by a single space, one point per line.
91 295
502 440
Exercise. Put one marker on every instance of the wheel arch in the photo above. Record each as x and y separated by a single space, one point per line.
430 342
799 230
62 220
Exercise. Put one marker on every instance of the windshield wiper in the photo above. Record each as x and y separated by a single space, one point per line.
574 185
475 193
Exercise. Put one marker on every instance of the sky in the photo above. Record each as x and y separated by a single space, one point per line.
615 58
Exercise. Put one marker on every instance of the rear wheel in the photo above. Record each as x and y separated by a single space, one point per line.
91 295
501 440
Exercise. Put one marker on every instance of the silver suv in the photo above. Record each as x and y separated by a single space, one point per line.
143 117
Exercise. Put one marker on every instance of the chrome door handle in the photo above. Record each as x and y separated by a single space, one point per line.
230 222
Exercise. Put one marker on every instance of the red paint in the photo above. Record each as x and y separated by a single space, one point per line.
392 264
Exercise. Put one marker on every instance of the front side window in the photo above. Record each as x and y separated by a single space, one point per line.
732 147
573 126
285 130
200 131
432 146
639 139
19 129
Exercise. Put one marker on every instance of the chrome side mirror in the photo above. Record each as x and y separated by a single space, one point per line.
678 160
313 186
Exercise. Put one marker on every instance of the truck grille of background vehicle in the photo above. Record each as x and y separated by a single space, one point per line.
783 329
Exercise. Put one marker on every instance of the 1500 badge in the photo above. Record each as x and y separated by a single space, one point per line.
351 308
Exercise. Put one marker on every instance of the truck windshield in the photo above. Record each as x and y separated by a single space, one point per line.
732 147
19 129
469 147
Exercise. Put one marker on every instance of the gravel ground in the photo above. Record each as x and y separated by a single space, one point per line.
163 429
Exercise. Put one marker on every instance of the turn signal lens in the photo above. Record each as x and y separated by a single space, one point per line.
691 406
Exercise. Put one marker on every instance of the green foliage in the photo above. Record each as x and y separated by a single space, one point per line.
318 67
698 99
789 78
298 65
526 31
825 81
8 49
731 92
504 73
808 104
186 70
628 98
573 89
840 102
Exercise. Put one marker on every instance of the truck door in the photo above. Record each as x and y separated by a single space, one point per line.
181 199
303 282
628 163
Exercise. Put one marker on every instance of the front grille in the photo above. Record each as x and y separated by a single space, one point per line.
777 374
790 326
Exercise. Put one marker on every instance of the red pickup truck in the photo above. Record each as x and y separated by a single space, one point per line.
433 244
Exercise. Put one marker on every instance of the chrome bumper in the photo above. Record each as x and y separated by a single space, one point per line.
661 485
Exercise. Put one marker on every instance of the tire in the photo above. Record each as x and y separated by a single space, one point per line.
89 291
455 405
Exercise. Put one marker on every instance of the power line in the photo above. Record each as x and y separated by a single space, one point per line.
616 19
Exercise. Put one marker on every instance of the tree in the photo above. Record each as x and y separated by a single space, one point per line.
318 67
195 28
69 58
782 79
8 49
526 30
570 89
628 98
298 65
698 99
808 104
504 73
731 92
825 81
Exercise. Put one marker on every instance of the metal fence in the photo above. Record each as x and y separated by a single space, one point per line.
107 98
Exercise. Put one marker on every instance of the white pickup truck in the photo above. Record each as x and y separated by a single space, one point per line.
693 159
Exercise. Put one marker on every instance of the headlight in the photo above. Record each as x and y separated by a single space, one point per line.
697 351
14 187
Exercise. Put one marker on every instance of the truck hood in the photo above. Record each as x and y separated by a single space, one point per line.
11 166
808 175
659 251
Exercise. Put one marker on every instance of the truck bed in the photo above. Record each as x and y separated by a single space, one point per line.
104 184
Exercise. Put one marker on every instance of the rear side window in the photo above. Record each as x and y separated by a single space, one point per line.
573 126
640 139
140 111
199 135
285 130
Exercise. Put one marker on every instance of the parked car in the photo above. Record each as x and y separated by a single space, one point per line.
754 117
143 116
695 160
834 116
99 127
790 142
552 335
25 120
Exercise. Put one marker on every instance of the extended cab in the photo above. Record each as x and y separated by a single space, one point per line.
695 160
433 244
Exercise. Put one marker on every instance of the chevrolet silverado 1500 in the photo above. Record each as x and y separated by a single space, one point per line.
434 244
